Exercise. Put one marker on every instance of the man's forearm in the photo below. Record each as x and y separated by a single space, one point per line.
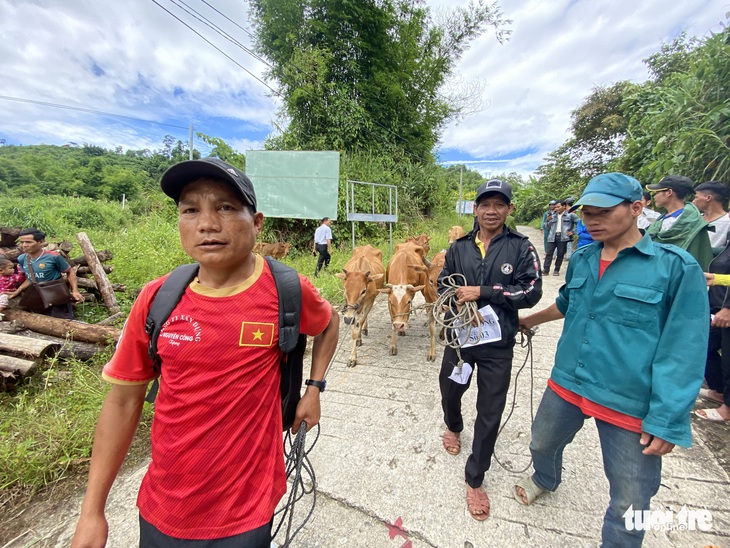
548 314
115 430
323 348
73 281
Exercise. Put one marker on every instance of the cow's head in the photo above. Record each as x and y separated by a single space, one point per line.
399 303
357 285
434 269
455 233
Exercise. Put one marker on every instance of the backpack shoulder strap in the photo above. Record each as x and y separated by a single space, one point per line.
291 342
290 298
164 302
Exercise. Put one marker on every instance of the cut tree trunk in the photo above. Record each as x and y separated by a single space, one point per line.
10 253
86 283
58 327
68 349
103 256
105 288
18 366
84 270
27 346
8 236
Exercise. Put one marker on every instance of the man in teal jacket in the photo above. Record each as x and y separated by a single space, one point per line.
621 358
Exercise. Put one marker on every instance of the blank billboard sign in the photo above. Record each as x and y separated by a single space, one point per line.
295 184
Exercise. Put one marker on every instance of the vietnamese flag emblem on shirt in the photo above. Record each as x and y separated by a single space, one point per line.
256 334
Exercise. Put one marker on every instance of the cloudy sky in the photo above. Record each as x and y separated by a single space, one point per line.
146 63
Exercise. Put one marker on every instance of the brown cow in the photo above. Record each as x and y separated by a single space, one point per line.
437 264
455 233
422 240
406 275
361 277
430 292
278 250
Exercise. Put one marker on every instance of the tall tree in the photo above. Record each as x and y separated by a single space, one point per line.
365 74
681 123
599 128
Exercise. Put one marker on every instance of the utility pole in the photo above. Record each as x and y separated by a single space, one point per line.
461 184
191 141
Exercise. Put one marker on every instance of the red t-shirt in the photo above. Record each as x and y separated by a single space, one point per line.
593 409
217 465
8 284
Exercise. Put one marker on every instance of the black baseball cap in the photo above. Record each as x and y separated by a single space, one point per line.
179 175
494 185
679 183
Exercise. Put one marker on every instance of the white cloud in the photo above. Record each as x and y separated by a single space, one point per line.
133 58
558 52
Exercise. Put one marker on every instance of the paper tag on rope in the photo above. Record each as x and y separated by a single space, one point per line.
461 374
488 331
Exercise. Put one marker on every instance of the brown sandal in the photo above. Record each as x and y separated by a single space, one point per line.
452 443
477 502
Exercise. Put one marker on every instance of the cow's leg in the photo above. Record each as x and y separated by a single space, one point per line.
364 315
393 343
353 355
432 334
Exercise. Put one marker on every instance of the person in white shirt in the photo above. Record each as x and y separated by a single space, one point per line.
647 215
709 199
323 245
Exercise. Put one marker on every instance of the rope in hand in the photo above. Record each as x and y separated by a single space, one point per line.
525 342
460 314
298 469
467 314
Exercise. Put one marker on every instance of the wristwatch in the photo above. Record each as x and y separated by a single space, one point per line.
319 384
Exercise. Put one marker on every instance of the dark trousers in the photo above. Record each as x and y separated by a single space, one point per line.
493 377
151 537
324 257
63 311
717 368
560 246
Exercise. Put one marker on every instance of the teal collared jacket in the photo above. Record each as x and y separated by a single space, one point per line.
636 340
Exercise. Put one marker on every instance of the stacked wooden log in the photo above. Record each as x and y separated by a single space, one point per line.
44 336
21 357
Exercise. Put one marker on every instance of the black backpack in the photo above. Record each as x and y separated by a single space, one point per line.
291 342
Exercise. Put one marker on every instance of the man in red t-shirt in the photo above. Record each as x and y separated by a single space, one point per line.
217 470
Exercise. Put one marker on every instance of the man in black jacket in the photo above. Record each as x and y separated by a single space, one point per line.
502 272
717 368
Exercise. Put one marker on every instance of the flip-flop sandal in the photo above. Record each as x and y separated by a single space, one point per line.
532 490
451 442
477 502
705 393
711 415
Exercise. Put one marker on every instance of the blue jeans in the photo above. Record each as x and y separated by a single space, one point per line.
633 477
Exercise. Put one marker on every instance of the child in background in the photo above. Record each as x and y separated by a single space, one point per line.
10 281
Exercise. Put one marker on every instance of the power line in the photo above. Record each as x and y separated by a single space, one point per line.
200 17
217 29
228 18
216 47
256 56
82 109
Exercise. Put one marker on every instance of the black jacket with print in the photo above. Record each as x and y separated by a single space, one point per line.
509 276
